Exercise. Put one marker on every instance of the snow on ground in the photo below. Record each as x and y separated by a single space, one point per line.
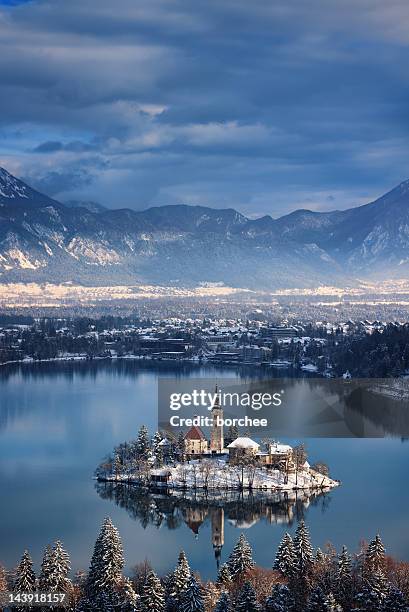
218 474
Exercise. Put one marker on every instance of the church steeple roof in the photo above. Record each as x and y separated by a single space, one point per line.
216 404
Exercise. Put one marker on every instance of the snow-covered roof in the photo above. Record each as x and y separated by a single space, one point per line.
160 472
243 443
164 442
280 449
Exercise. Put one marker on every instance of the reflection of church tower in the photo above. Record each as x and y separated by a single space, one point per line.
217 435
194 518
217 518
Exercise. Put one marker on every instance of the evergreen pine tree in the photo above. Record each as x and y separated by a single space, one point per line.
303 549
331 605
378 584
170 593
129 600
285 557
375 555
395 600
224 576
25 581
117 465
319 556
60 568
246 600
192 599
316 601
157 449
142 443
223 604
45 582
367 601
373 594
177 583
153 594
280 600
107 562
241 557
156 440
344 583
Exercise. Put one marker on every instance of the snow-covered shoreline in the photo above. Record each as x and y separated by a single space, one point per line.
218 475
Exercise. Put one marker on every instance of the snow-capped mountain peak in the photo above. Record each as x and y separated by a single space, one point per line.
11 187
42 240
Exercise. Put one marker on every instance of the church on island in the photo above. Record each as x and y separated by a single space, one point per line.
220 461
275 456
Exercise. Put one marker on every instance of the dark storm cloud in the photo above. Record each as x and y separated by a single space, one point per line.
55 182
265 105
51 146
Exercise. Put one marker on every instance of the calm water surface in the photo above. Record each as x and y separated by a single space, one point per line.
58 420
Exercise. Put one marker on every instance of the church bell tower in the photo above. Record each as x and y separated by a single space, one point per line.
217 434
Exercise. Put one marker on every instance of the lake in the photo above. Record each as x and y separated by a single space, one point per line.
57 421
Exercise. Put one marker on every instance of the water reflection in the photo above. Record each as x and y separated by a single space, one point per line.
314 406
242 509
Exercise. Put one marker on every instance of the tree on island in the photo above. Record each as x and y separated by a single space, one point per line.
232 434
181 447
241 557
157 449
299 458
143 447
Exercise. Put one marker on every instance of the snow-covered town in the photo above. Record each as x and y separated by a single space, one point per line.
289 346
230 461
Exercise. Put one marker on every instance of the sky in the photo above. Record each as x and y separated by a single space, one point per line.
262 106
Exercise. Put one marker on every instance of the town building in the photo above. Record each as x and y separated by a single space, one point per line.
243 447
278 457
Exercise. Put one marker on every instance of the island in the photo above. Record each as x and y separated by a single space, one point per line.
191 461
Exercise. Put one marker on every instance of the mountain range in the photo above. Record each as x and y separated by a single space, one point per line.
43 240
